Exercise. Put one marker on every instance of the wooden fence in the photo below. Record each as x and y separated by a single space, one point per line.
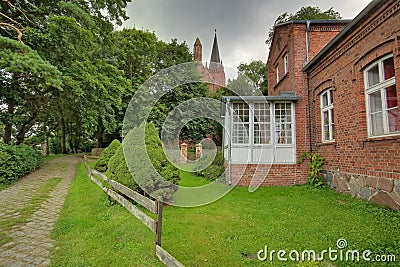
123 195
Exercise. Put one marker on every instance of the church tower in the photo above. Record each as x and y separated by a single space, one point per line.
198 50
214 74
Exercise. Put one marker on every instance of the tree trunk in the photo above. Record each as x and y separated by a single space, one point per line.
62 133
8 123
46 145
100 135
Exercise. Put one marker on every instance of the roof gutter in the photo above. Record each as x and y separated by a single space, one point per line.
347 29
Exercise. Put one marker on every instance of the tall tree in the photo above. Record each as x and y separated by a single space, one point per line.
305 13
27 84
256 71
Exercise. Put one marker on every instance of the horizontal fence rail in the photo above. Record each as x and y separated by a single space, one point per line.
123 195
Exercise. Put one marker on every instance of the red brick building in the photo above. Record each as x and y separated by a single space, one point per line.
339 78
214 74
353 96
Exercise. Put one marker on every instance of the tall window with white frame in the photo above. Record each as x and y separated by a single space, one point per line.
286 63
381 98
262 123
277 73
241 123
327 117
283 123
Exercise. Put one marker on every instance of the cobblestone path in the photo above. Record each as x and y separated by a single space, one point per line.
29 210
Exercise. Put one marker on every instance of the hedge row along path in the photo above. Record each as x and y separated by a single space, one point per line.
29 210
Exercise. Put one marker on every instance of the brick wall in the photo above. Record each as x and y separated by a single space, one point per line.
354 155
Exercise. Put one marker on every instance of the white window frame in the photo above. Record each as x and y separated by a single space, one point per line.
242 135
264 125
328 109
277 73
275 128
379 87
286 63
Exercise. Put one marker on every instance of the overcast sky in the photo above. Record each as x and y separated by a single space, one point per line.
242 25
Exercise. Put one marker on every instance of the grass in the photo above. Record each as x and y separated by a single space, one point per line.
90 232
228 232
26 211
232 230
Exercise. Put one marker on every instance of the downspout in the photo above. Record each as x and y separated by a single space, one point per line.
229 142
307 42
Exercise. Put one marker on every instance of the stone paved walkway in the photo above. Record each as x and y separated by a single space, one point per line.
30 242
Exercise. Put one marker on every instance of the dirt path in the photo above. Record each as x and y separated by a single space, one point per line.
29 210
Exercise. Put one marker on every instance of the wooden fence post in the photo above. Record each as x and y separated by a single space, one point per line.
159 222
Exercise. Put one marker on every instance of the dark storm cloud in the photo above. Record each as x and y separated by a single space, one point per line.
242 25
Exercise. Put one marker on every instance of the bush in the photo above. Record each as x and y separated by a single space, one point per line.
17 161
215 169
152 182
105 156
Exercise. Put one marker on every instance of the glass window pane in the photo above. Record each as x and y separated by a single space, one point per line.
373 76
326 133
331 97
324 100
393 119
391 97
388 68
375 102
326 118
377 123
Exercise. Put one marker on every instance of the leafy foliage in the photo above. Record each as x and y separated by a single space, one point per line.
316 161
17 161
215 169
105 156
305 13
152 175
256 70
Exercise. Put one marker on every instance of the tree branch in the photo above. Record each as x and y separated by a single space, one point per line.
14 28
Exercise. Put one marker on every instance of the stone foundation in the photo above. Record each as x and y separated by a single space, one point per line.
379 190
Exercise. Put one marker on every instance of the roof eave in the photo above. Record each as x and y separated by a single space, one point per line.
342 33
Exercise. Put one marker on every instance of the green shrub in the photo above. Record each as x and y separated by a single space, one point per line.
17 161
118 170
215 169
316 161
153 175
105 156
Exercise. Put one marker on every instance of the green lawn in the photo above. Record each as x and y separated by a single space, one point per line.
228 232
90 232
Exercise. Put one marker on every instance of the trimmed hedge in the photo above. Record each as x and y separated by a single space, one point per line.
17 161
105 156
215 169
140 167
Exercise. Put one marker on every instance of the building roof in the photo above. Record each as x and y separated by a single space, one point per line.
284 96
313 21
361 16
215 58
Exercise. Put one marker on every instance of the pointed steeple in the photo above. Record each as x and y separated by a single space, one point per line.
215 53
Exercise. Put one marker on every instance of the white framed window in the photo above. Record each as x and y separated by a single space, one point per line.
262 123
254 123
286 63
327 116
381 98
283 123
277 73
241 123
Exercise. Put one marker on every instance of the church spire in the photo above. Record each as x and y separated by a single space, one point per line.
215 53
